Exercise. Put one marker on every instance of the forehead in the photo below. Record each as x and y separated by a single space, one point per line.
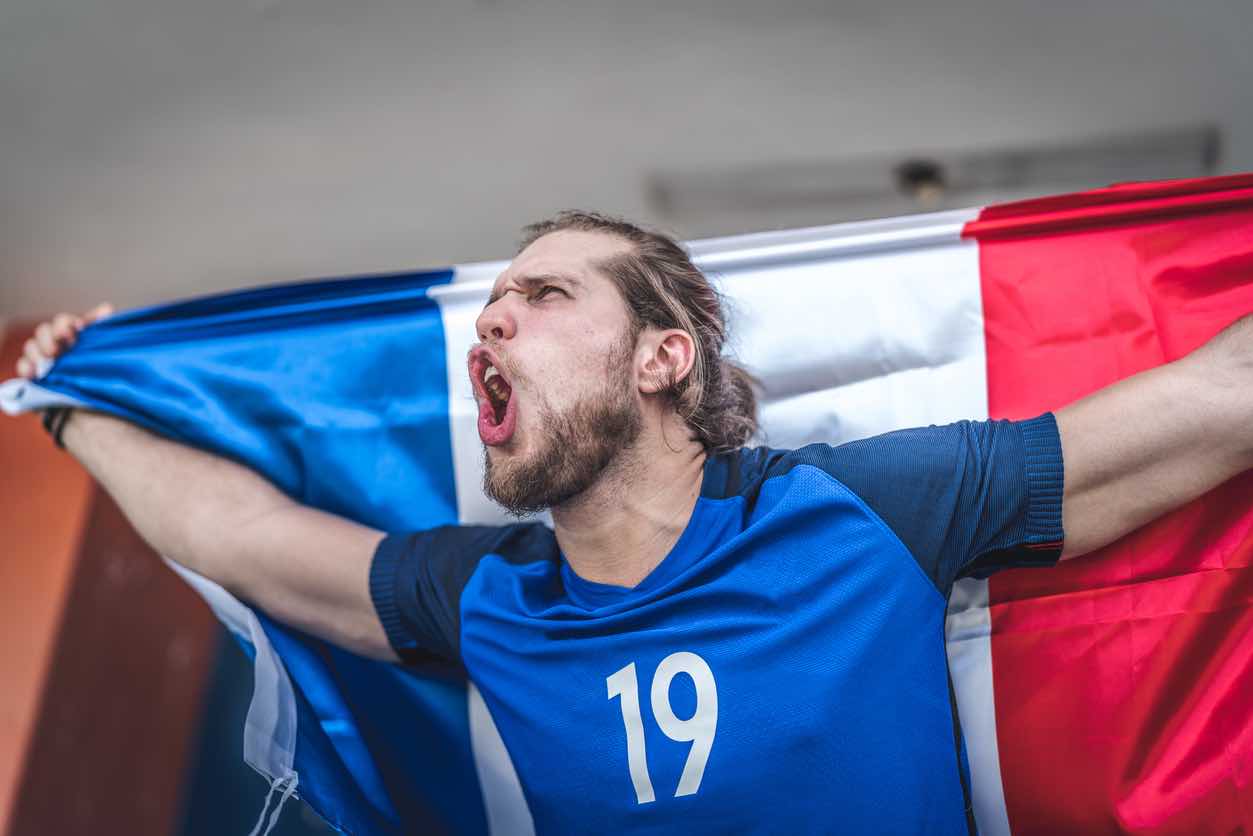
569 253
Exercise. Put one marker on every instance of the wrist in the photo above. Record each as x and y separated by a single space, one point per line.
54 421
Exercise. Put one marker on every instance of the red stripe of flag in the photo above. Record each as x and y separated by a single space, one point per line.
1123 680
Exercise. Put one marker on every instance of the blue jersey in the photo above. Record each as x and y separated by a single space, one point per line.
782 670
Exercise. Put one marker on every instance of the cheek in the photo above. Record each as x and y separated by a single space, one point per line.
550 360
564 367
558 385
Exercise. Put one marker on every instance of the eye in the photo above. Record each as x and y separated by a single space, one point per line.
547 290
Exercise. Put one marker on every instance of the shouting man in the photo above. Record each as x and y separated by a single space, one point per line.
801 593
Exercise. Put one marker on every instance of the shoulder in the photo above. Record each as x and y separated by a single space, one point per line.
763 477
951 494
885 458
417 580
935 451
464 545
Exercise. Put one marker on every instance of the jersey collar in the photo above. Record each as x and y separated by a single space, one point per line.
713 521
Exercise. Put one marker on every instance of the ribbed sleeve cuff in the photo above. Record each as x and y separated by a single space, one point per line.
1042 451
384 583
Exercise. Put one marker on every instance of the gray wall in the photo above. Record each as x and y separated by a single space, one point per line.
151 149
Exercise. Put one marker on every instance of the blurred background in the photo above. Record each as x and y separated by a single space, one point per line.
155 150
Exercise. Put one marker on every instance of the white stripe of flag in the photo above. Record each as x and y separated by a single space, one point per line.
853 330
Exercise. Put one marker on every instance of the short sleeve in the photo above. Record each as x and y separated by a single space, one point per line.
967 498
416 580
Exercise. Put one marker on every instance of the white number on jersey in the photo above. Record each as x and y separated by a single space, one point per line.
699 729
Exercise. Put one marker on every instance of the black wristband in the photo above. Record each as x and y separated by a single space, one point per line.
54 422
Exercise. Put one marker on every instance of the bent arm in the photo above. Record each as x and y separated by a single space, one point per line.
304 567
1157 440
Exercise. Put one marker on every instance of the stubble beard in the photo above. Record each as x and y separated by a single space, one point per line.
578 445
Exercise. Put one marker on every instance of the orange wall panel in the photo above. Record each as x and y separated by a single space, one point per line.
43 506
105 654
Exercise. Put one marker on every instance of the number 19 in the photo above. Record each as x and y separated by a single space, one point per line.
699 728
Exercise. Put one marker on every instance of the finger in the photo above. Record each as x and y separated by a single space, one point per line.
99 312
47 343
33 354
24 368
63 330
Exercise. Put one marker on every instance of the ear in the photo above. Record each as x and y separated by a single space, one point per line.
667 356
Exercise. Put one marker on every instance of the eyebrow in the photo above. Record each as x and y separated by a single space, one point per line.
535 279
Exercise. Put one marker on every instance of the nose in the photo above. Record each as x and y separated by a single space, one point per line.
496 322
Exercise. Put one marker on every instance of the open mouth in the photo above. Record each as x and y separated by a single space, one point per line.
497 411
498 392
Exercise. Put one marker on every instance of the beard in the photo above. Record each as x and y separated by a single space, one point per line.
579 444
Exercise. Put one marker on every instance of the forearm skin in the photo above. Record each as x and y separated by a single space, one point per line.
185 503
1227 360
1161 438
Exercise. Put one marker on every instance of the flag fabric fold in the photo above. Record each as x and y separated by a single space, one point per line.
1126 675
1108 695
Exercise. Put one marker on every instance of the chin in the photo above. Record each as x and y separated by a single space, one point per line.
511 448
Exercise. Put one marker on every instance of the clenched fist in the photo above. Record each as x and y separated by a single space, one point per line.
54 337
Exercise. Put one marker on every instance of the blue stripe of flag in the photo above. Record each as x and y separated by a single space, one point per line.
337 392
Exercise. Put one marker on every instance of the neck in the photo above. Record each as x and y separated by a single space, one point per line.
618 530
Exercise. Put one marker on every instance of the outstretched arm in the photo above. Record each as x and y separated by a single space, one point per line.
220 519
1152 442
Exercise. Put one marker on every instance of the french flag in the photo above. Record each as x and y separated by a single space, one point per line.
1112 694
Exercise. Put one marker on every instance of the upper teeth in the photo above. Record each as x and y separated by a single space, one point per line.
490 373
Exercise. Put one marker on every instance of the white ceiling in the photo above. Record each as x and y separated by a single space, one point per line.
151 149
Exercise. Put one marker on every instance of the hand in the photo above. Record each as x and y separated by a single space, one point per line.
54 337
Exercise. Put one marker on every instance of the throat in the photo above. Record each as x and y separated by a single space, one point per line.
620 536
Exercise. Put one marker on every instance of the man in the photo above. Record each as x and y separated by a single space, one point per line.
799 593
